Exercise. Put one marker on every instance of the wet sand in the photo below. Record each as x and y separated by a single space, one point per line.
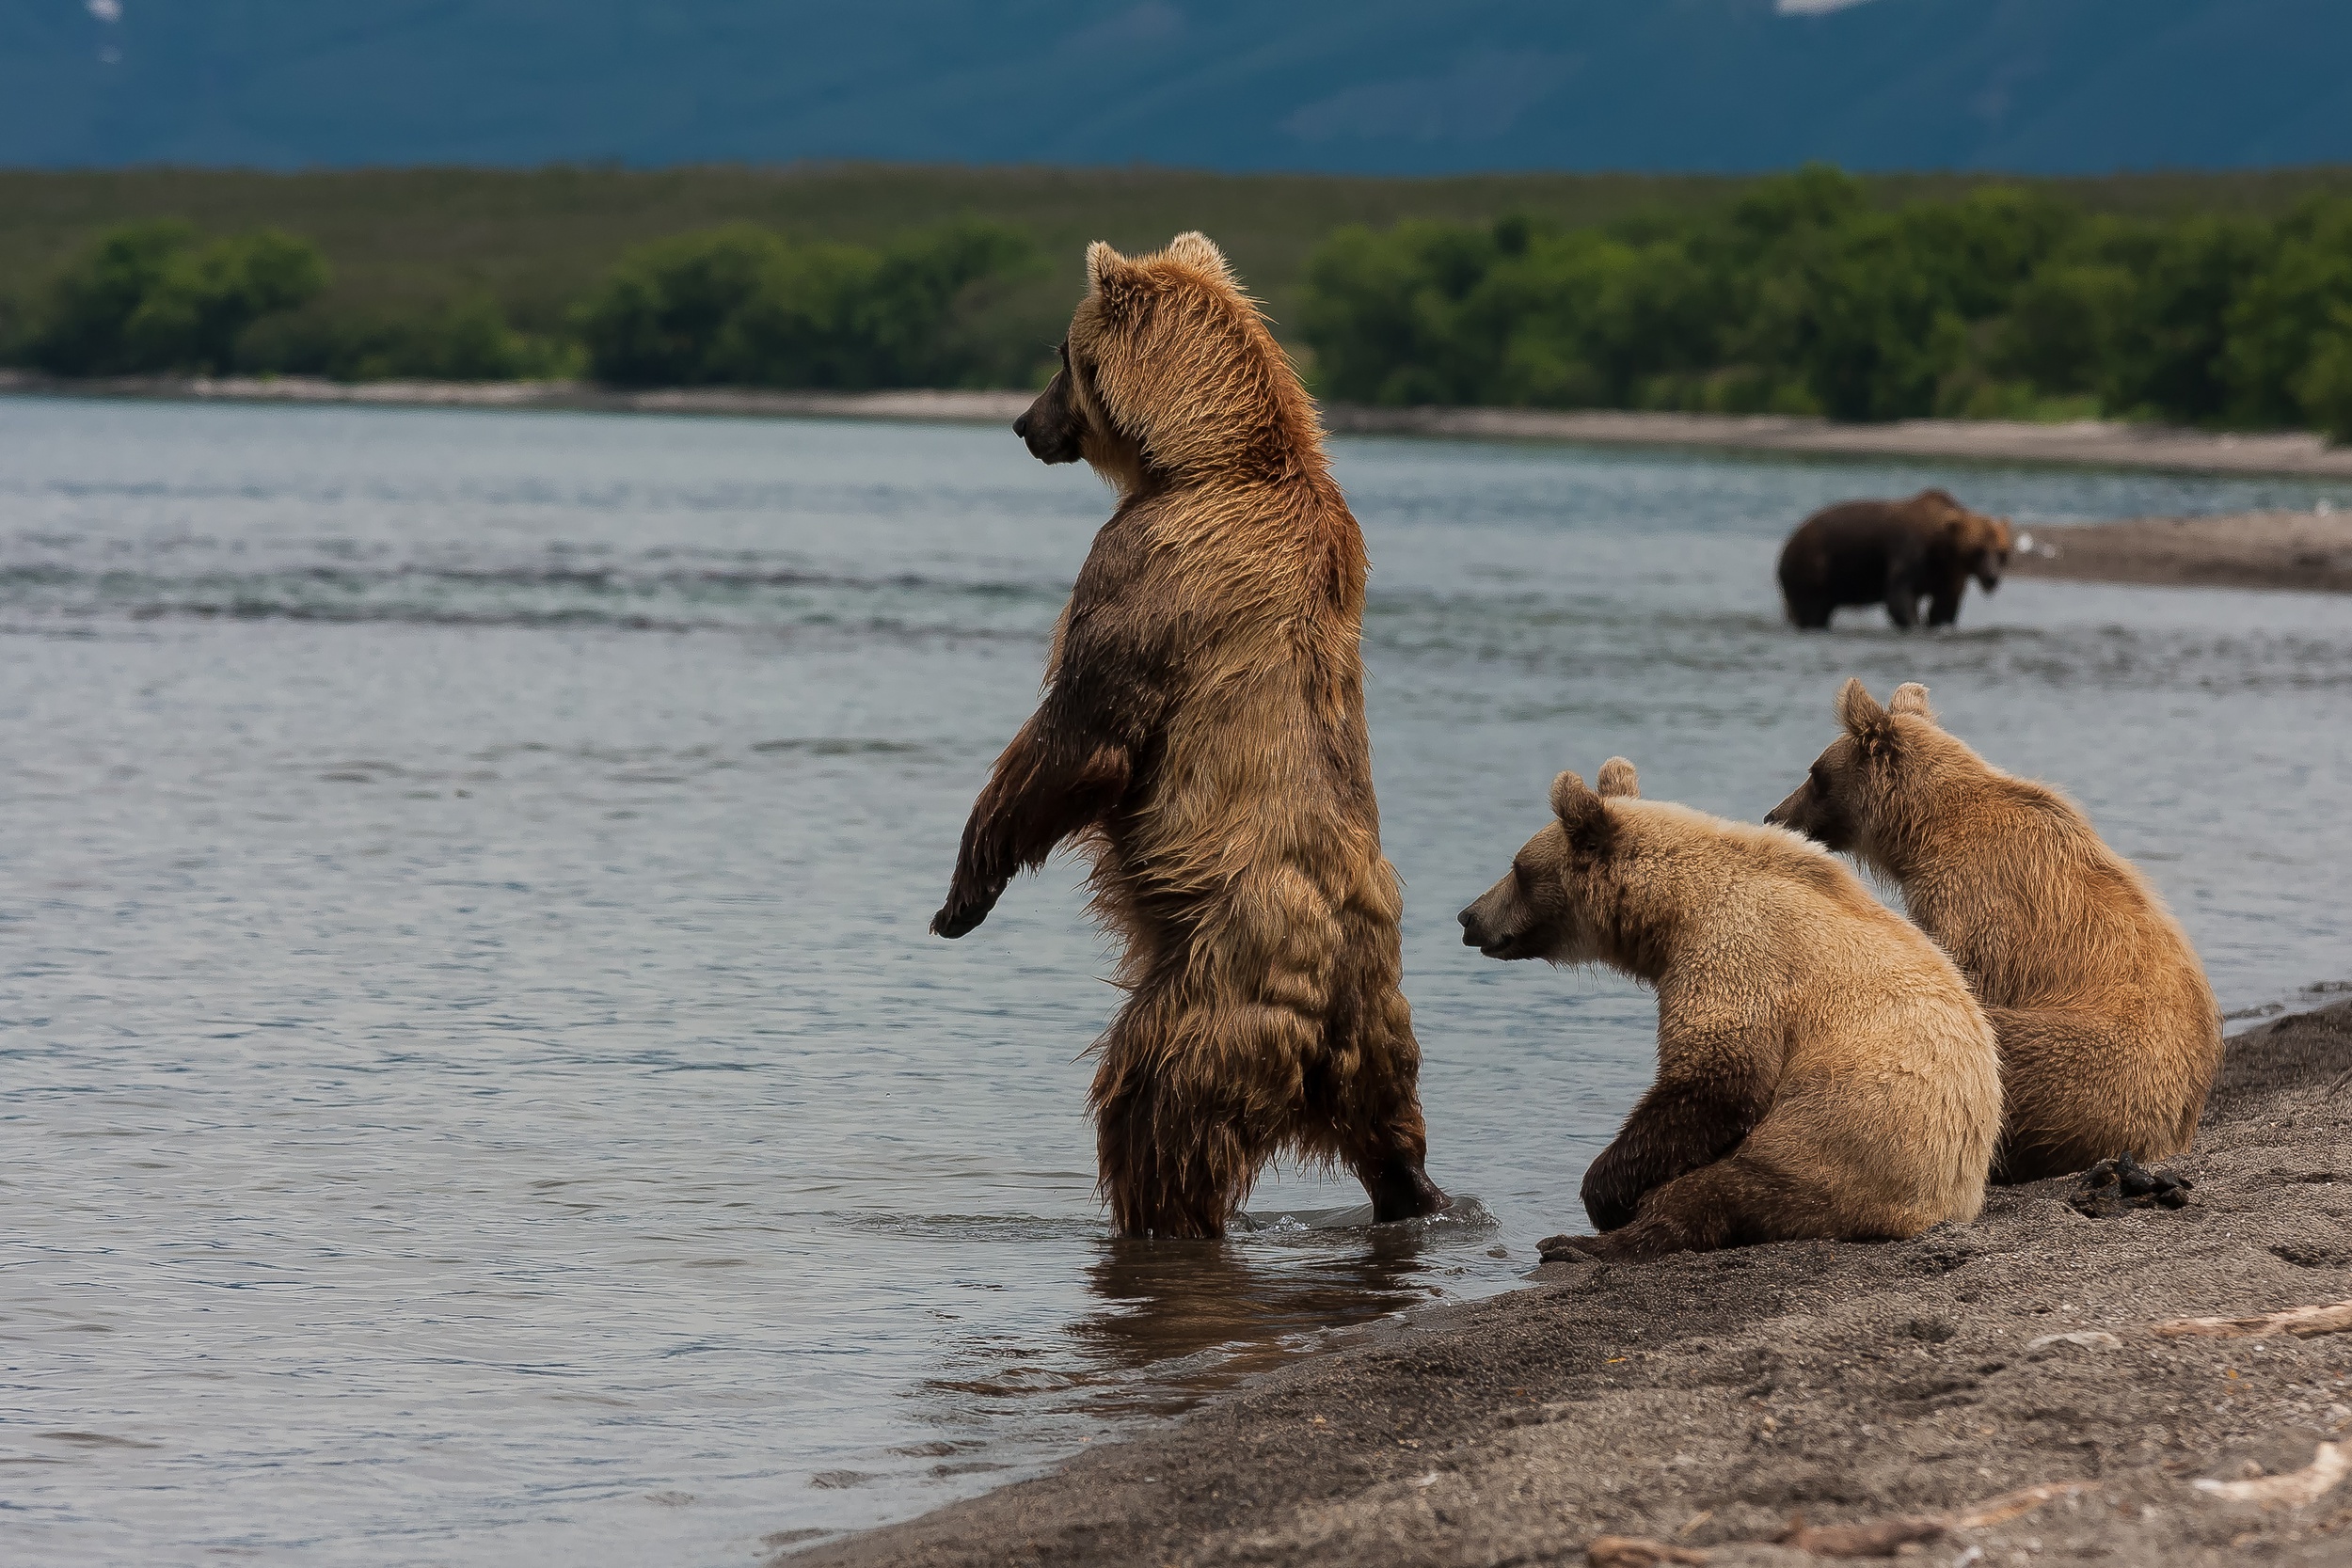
2256 550
2091 443
1709 1400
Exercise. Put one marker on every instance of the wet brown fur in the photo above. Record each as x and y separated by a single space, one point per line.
1202 733
1821 1067
1891 553
2109 1034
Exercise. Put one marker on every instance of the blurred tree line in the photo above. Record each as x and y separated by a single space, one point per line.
1798 294
1801 298
738 306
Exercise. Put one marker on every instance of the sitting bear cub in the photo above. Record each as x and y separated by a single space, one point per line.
2109 1034
1822 1070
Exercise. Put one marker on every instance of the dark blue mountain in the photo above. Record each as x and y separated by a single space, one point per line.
1390 86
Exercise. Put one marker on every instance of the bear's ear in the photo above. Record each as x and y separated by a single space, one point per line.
1580 813
1618 782
1910 700
1198 251
1102 262
1857 709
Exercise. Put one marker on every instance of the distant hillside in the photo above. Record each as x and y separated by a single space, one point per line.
1355 85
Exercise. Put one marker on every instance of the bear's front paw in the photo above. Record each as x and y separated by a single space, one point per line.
956 917
1612 1192
965 908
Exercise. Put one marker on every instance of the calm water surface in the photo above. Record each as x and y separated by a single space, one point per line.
475 1086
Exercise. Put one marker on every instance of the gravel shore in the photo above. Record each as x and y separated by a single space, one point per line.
1994 1393
2308 550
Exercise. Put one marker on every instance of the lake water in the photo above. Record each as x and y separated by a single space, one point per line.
476 1088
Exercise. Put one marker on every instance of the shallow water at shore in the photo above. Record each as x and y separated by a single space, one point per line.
476 1084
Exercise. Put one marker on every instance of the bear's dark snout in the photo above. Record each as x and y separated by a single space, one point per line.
1020 425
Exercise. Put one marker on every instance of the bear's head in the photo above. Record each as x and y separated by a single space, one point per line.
1847 798
1979 543
1170 370
1555 904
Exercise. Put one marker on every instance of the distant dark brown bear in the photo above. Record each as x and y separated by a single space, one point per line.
1894 553
1202 736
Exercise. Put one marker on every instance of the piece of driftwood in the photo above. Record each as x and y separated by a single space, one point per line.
1885 1537
1635 1551
2329 1466
2015 1505
1877 1538
1872 1538
2301 1321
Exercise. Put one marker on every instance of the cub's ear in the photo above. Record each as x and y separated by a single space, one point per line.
1856 708
1580 813
1910 700
1619 780
1197 250
1102 262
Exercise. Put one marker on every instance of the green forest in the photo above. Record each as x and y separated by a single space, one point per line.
2215 301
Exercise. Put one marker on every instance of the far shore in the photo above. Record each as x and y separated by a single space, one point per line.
2086 443
2017 1390
2306 550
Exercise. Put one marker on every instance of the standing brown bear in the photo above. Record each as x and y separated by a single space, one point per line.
2109 1034
1202 734
1893 553
1821 1067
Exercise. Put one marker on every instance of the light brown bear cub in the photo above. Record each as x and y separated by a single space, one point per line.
1821 1067
1201 735
2109 1034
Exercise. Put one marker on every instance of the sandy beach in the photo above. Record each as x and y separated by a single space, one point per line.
2000 1393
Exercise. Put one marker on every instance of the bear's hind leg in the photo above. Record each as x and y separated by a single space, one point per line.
1738 1201
1166 1170
1388 1158
1189 1104
1363 1101
2077 1090
1810 614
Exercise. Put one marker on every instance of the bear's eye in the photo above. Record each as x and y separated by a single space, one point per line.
1819 778
1518 877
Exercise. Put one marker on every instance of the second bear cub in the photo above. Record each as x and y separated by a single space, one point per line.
2109 1034
1822 1070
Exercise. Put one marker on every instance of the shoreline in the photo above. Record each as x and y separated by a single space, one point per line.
2307 551
2087 443
1989 1392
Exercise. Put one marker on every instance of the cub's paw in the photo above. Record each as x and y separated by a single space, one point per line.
1572 1249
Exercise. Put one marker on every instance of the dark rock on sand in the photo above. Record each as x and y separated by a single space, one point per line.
2112 1187
2000 1381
